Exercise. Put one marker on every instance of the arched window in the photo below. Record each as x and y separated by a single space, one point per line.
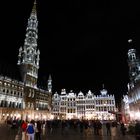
19 105
13 104
1 103
10 104
7 91
4 90
133 57
11 92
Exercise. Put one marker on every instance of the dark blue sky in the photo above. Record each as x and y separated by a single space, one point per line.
82 44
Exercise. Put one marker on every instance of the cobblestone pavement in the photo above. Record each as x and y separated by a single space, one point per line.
6 133
75 135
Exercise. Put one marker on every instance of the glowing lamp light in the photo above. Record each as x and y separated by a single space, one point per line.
36 116
29 116
137 115
44 116
7 114
51 117
3 114
18 115
99 117
131 115
111 117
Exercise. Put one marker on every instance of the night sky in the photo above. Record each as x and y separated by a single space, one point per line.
83 44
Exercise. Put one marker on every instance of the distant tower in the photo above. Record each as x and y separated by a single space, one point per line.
134 65
50 84
103 91
28 57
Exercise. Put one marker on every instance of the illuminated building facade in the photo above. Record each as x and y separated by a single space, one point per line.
23 99
134 84
79 106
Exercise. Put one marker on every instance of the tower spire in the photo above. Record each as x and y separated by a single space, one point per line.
29 54
133 64
50 84
50 78
103 86
130 41
34 8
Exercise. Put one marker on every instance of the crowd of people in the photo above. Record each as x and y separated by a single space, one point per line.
33 130
29 130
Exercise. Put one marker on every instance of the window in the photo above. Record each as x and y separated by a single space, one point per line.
133 56
11 92
7 91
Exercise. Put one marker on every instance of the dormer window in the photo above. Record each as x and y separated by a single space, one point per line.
133 56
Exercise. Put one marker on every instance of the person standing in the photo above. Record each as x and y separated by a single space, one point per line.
114 128
108 128
99 125
23 129
30 131
38 129
137 130
123 129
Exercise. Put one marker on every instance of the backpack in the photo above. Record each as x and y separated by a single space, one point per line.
30 129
